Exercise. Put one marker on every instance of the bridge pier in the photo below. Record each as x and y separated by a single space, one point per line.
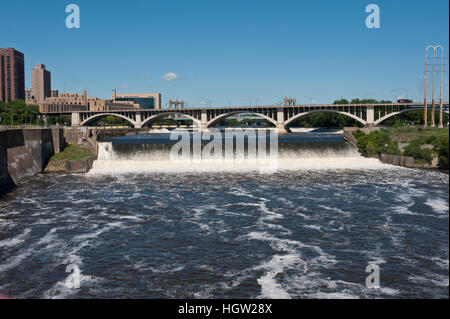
203 121
370 115
203 128
76 119
281 129
138 121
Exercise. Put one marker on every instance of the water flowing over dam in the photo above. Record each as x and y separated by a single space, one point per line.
142 226
151 153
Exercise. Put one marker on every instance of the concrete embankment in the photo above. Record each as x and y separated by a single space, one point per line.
75 159
398 160
26 152
80 153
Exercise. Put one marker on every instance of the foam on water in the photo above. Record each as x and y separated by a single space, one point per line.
440 206
270 288
16 240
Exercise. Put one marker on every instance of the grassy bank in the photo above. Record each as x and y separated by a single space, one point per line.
75 155
426 145
72 152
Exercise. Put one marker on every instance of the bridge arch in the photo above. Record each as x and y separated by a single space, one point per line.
100 115
156 117
290 121
225 115
387 116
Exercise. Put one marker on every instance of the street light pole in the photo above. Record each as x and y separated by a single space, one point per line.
434 83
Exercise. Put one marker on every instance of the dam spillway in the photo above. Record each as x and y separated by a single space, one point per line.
151 153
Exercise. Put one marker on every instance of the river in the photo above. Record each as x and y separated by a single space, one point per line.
140 226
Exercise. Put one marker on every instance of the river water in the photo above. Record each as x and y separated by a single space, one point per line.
140 226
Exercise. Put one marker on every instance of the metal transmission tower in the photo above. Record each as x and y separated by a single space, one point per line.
441 83
425 120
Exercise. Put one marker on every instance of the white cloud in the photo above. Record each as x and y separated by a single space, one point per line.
169 77
124 87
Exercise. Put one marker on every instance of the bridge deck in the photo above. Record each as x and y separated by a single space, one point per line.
255 107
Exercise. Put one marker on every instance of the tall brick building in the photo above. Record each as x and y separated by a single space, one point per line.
12 75
40 83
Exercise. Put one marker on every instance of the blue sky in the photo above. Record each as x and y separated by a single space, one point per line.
236 52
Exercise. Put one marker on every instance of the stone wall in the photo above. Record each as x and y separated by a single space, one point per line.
25 153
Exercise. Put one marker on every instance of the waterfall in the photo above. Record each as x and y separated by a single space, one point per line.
125 155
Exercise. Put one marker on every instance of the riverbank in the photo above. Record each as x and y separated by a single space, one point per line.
72 160
416 147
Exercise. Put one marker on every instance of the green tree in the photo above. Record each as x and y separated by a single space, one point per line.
17 112
420 154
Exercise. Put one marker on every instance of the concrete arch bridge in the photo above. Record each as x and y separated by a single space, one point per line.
282 117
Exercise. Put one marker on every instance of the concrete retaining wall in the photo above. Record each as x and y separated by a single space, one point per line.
79 167
74 135
405 161
59 142
349 137
25 153
5 180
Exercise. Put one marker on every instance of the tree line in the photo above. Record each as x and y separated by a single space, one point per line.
17 112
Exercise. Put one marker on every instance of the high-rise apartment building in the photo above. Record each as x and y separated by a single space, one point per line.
40 83
12 75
